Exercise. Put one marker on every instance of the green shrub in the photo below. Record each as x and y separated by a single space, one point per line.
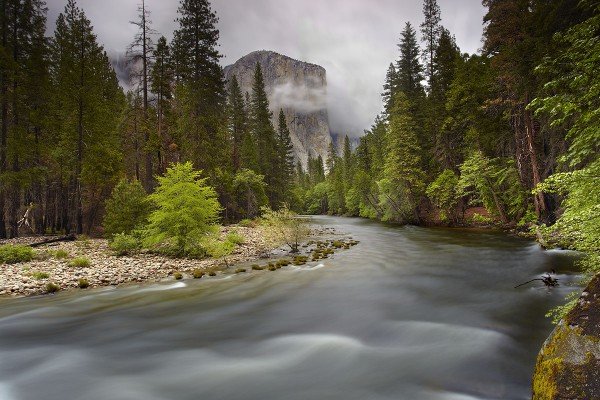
247 223
83 283
178 276
197 274
60 254
481 219
186 211
284 227
127 209
79 262
235 238
52 287
39 275
13 254
123 244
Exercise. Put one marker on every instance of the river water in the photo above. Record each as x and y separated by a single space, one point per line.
410 313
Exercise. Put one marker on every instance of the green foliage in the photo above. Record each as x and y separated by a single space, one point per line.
123 244
39 275
249 189
185 214
235 238
247 223
442 193
13 254
494 182
80 262
284 227
60 254
127 209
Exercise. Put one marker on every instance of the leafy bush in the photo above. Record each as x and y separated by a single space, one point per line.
39 275
235 238
185 214
12 254
481 219
284 227
127 209
442 193
250 192
83 283
79 262
123 244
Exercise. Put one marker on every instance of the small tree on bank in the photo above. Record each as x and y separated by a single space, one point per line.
284 227
187 211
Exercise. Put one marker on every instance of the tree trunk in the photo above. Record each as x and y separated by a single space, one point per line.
4 129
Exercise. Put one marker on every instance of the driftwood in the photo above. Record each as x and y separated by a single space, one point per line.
68 238
548 281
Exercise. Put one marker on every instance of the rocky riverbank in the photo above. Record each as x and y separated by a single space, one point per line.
54 264
568 366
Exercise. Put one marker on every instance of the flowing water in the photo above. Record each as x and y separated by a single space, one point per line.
410 313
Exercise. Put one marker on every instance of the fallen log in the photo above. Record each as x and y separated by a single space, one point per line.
67 238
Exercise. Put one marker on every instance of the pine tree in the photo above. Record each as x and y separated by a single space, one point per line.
409 69
201 86
263 132
430 31
402 184
238 122
285 153
390 88
140 57
161 77
88 102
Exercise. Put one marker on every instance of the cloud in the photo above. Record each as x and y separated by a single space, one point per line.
354 40
304 98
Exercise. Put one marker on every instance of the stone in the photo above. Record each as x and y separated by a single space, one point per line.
568 366
297 87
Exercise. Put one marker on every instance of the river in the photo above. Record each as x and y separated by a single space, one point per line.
410 313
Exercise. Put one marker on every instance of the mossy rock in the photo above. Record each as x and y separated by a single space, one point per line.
257 267
568 366
178 276
212 273
240 270
273 268
52 287
198 274
83 283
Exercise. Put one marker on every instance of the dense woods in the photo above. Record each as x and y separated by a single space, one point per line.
513 130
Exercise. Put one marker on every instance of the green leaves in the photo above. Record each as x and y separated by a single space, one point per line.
187 211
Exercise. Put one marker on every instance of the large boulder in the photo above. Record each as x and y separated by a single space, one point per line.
568 366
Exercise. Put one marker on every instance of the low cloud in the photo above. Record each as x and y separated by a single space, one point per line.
304 98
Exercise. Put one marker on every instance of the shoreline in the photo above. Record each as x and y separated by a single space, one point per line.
27 279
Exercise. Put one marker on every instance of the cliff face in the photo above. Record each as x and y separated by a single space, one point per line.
568 366
300 89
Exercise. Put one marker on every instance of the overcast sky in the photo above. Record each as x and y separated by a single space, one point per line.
354 40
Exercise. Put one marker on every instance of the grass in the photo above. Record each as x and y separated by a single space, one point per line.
13 254
80 262
83 283
235 238
39 275
61 254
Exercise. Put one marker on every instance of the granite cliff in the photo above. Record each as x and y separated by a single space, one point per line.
297 87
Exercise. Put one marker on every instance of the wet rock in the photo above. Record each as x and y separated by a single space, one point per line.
568 366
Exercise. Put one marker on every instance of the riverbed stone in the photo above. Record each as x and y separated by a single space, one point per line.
568 366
